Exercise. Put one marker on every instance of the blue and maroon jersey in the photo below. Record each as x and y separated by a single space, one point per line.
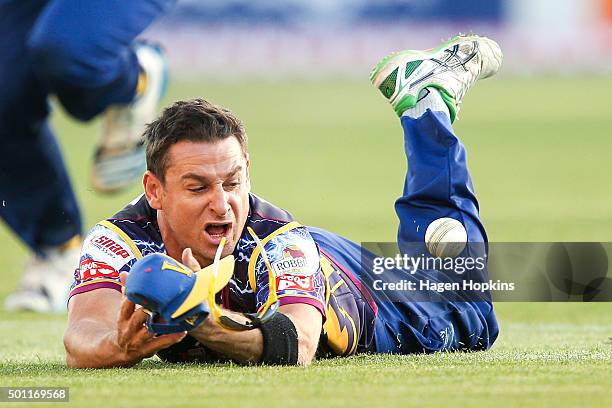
319 268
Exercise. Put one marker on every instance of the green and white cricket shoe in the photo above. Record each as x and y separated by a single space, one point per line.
452 68
119 158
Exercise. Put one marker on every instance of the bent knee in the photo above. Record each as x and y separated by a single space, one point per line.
60 58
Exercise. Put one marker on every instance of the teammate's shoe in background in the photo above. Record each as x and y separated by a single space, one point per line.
45 282
119 158
452 68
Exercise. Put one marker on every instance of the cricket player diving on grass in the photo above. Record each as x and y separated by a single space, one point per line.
212 271
85 55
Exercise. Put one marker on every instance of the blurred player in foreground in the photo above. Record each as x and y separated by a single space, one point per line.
83 53
197 195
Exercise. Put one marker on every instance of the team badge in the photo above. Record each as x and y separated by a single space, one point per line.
293 261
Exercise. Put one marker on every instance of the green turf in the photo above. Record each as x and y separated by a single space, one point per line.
331 152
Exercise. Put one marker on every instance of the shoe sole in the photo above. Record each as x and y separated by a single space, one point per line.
402 101
384 68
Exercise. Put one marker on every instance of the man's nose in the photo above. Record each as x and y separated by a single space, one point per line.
219 203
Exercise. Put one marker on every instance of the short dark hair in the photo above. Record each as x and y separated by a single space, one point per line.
196 120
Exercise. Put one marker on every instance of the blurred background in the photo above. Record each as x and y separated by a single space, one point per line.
315 38
326 146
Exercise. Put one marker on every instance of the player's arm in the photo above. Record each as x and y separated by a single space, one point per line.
104 329
296 323
248 346
107 330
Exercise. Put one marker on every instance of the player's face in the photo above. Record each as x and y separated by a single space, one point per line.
204 198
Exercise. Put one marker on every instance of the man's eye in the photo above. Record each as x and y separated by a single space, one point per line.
232 184
197 189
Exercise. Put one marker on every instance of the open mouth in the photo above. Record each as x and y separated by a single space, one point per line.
218 230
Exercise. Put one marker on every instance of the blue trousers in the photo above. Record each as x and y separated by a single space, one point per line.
80 52
437 185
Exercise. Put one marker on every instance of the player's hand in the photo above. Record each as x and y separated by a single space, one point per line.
133 339
189 260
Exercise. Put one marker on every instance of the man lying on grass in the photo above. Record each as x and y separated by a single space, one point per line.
198 209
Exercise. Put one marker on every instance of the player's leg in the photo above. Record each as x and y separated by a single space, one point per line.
425 88
36 198
84 52
438 183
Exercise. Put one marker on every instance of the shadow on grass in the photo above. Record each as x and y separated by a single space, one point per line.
16 368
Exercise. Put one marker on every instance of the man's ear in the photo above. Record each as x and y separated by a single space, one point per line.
153 188
248 171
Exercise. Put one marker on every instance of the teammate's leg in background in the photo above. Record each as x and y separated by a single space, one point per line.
36 199
425 88
84 52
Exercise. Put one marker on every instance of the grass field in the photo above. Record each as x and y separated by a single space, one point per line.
331 152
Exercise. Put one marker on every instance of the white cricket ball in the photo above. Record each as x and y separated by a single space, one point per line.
445 237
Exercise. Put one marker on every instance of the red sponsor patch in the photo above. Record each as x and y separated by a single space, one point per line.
111 245
90 269
295 282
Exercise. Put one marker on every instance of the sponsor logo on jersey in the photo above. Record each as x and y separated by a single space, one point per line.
293 261
295 282
104 242
90 269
